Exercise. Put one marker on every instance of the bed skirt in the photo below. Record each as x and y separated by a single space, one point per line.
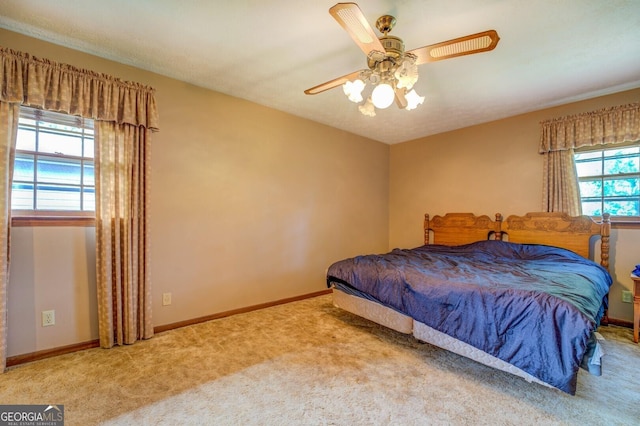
402 323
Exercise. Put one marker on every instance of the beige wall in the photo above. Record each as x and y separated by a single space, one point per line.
51 268
248 205
487 169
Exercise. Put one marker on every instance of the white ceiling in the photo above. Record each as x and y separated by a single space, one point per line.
551 52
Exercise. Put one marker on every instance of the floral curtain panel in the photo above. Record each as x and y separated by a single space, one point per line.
561 192
8 130
559 138
122 172
129 113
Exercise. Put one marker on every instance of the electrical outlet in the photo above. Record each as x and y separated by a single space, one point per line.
166 299
48 318
627 296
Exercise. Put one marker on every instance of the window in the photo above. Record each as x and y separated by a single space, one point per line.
609 180
54 164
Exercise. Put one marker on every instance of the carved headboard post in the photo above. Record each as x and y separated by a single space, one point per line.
498 233
605 232
426 228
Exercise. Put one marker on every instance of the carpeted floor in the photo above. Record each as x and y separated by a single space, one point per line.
309 363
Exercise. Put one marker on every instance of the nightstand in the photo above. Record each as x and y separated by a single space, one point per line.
636 306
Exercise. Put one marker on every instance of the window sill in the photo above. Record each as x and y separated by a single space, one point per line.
42 220
622 222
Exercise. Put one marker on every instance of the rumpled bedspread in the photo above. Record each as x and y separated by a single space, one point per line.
533 306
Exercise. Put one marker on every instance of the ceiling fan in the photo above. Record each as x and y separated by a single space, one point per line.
392 71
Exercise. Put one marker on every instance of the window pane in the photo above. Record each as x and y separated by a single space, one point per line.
58 170
22 196
89 199
592 188
26 139
592 208
588 155
57 197
623 187
23 167
88 177
88 148
623 208
589 168
622 151
621 165
60 144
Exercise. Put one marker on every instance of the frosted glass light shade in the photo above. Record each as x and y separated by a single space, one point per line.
383 95
367 108
413 100
406 74
353 90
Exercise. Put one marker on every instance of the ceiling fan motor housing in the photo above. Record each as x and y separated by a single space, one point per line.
394 50
393 45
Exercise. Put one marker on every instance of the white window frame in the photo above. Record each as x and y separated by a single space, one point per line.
57 217
604 176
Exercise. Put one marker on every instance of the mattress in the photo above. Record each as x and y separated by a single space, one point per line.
534 307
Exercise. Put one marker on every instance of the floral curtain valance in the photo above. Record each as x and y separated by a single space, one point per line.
611 125
41 83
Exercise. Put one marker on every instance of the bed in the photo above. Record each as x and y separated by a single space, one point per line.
521 294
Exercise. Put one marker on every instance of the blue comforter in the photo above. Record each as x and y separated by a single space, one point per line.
532 306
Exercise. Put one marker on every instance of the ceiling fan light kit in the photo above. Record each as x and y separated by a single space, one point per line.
392 72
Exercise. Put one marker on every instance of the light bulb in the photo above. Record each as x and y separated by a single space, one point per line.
383 95
353 90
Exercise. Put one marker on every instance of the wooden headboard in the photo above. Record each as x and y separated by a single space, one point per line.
555 229
455 229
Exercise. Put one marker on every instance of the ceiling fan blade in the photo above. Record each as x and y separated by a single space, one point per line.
353 21
332 83
467 45
401 101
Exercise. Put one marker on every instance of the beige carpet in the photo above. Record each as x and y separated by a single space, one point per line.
309 363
